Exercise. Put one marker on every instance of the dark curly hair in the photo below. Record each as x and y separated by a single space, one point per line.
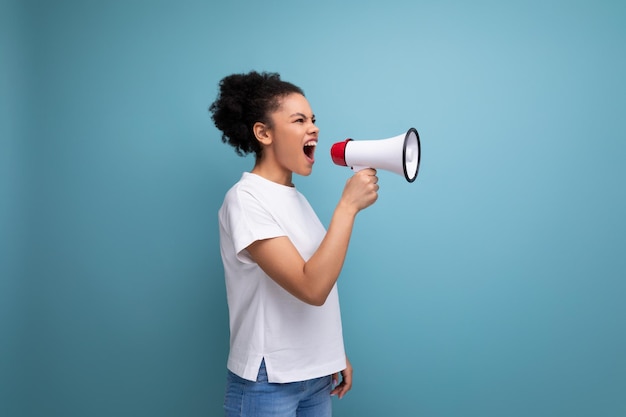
243 100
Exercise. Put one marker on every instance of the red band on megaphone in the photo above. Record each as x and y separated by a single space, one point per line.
338 152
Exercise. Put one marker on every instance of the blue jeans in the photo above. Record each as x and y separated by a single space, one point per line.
263 399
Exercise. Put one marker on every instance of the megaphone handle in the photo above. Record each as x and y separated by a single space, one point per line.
357 169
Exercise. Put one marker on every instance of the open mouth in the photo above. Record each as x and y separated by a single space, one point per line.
309 148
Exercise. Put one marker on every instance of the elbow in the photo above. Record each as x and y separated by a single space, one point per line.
314 289
316 300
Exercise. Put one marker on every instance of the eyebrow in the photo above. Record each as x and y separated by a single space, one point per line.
302 115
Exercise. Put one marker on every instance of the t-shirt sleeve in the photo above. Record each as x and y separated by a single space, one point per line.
247 219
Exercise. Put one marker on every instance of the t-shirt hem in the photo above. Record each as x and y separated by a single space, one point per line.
284 377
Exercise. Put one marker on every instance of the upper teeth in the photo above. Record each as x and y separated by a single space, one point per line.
311 143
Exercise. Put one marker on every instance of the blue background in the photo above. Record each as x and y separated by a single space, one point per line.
492 286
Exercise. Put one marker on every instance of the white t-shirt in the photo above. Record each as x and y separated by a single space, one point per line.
298 341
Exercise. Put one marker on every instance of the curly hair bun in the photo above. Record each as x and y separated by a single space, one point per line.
243 100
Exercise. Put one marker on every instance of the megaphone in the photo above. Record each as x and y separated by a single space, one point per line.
399 154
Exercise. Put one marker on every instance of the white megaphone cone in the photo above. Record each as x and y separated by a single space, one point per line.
399 154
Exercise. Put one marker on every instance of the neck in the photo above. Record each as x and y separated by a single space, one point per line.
274 175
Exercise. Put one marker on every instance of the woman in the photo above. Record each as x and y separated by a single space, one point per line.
280 264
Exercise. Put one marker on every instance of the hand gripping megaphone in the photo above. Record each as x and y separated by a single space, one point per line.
399 154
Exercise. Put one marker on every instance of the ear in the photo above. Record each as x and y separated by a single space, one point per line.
262 133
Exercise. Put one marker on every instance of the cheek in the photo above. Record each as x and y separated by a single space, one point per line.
291 150
289 143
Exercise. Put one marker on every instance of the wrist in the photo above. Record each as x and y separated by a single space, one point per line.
346 209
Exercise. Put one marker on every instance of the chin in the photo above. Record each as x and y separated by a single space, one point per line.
305 172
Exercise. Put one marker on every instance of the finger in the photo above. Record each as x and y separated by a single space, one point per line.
346 385
367 172
347 378
336 385
339 390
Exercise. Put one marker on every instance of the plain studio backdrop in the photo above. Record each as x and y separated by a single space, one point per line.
492 286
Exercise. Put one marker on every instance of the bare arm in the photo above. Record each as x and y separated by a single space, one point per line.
312 281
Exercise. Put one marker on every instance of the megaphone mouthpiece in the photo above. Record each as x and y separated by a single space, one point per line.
338 152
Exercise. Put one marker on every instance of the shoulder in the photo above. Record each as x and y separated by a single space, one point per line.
244 190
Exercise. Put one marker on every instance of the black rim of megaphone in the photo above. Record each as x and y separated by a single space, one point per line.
419 154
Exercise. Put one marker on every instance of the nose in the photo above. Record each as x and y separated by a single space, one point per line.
313 128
